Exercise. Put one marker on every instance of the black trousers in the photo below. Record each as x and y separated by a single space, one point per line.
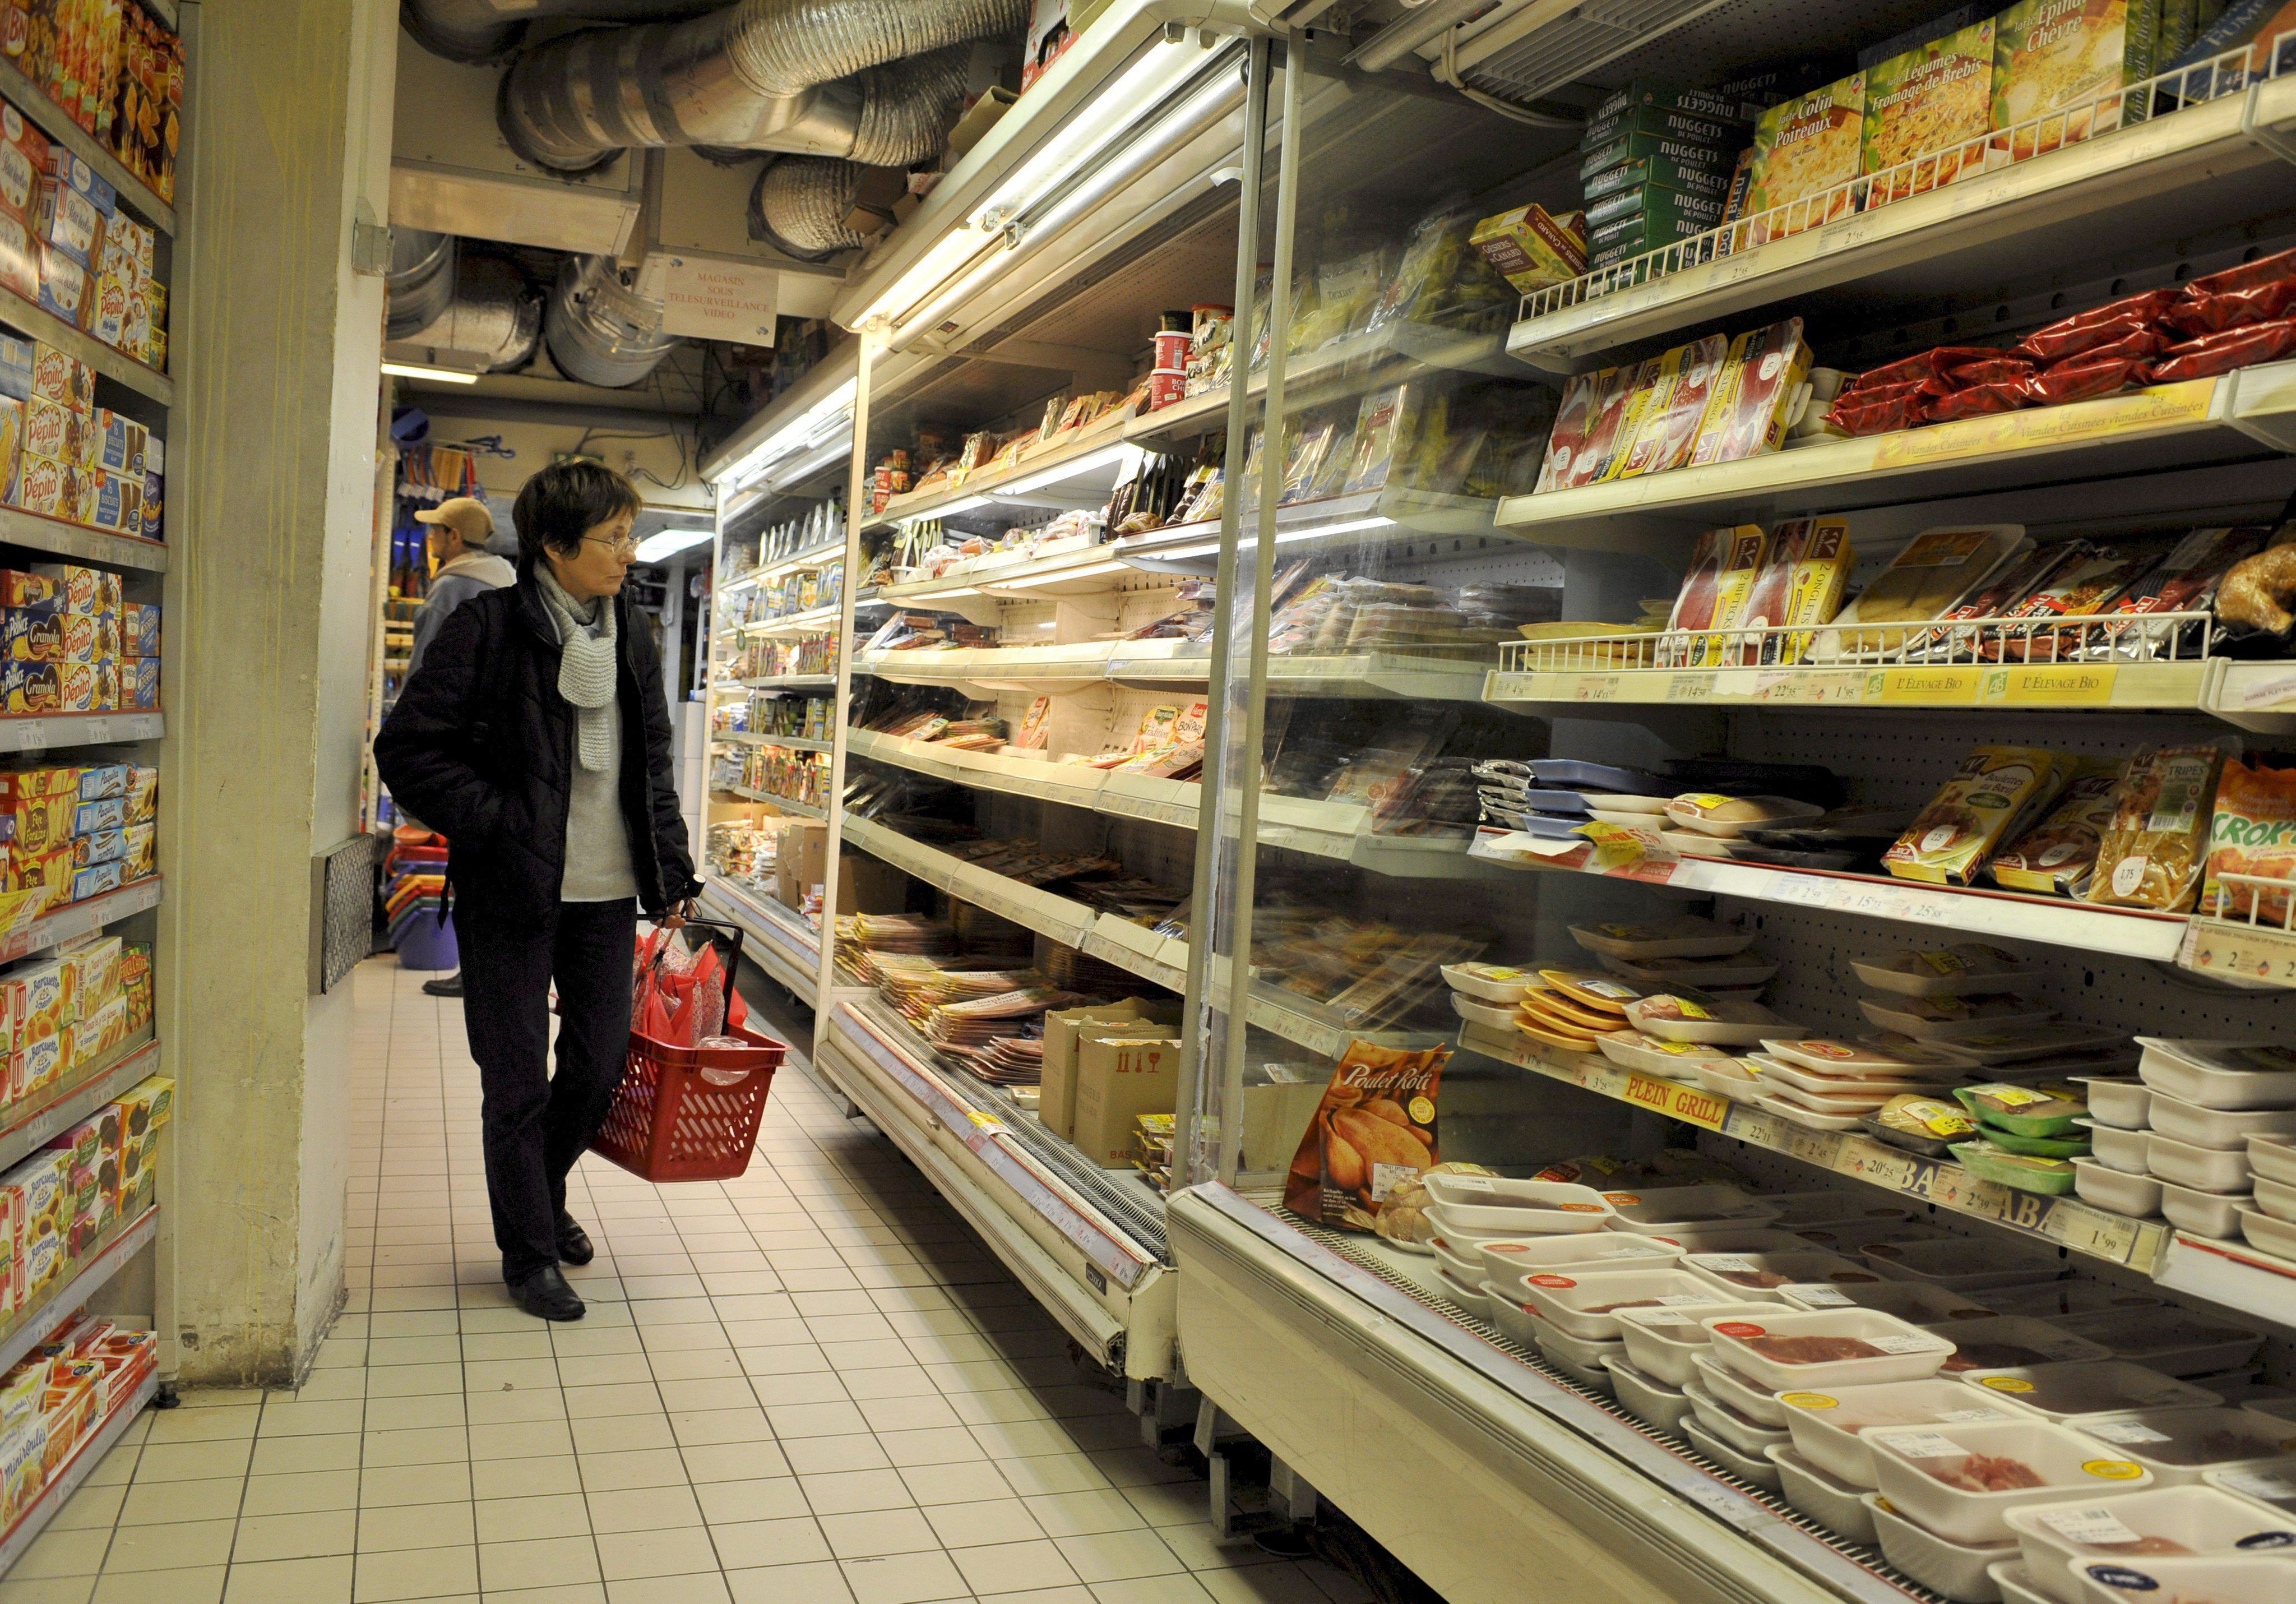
536 1123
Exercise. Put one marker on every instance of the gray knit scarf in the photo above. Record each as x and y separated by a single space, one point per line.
586 665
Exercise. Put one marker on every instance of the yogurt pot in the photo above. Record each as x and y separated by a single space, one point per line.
1961 1571
2132 1527
2121 1102
1648 1401
2193 1579
1828 1424
1959 1480
2179 1446
1661 1342
1832 1504
2067 1392
1790 1349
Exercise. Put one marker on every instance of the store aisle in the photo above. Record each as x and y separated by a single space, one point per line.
812 1385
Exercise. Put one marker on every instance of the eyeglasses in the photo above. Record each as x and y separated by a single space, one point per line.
627 547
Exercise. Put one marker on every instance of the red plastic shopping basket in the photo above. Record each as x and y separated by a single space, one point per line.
689 1113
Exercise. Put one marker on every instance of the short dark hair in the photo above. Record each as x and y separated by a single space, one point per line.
566 499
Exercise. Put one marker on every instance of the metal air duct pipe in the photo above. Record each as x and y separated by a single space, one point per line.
443 302
817 77
600 330
486 30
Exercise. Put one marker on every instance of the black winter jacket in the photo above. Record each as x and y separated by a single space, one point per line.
480 748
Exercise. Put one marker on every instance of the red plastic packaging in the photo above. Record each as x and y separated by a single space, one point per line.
2263 270
2063 340
1870 412
2234 308
2221 353
1929 365
2089 376
1978 401
1998 370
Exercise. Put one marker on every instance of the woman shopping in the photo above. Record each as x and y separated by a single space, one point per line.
535 736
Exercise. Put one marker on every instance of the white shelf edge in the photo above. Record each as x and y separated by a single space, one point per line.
38 532
43 732
38 322
747 737
80 918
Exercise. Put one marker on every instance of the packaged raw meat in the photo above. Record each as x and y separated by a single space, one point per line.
2253 833
1983 1473
1929 364
2155 850
1978 401
2071 336
2264 270
1867 412
2006 368
1992 791
2214 354
2056 855
2186 580
1995 598
2267 302
2087 376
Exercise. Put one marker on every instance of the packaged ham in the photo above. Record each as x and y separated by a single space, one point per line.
2265 302
1932 365
2264 270
1616 412
2055 856
1748 417
1695 603
2214 354
2186 580
2253 833
1997 597
1739 558
2077 591
1671 424
2155 848
1978 401
2086 377
1566 444
2071 336
1803 569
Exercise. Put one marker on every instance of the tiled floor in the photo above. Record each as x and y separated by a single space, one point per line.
811 1385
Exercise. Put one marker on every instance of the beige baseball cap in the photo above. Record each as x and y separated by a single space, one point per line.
466 515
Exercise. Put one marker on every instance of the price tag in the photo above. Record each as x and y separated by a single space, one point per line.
2088 1230
1689 687
2094 1526
1821 1147
1874 901
1969 1414
1744 684
2051 686
2248 953
1595 688
1727 1263
1927 687
1801 889
2269 693
1918 1445
2162 407
1908 1343
1878 1165
1817 1295
1683 1299
2273 1486
2128 1434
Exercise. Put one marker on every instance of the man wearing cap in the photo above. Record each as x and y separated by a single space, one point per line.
460 529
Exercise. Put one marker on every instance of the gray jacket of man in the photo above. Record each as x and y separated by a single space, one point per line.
473 573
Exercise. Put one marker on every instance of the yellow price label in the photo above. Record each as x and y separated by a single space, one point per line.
1809 1400
2162 407
2058 685
1422 1111
2114 1470
2007 1384
1926 686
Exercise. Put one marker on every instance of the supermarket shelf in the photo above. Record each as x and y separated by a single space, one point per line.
2174 175
2063 1221
1081 571
2170 426
1075 470
795 623
79 919
789 682
812 557
1161 960
60 538
2123 932
781 942
1327 829
1175 665
2233 1274
61 128
744 737
35 1325
38 732
35 322
1330 524
788 804
50 1109
36 1517
2257 696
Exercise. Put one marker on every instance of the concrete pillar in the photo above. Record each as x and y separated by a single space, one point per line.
271 483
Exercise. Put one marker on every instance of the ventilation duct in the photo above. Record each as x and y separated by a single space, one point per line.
800 205
474 308
600 330
816 77
485 30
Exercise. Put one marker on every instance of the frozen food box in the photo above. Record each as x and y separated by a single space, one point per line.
1664 122
2068 56
1664 211
1689 171
1531 248
1665 149
1804 147
1714 104
1934 100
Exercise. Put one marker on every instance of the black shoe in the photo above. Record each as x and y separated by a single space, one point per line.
574 1246
450 986
545 1295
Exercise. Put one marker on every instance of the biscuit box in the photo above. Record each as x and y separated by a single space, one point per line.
45 486
48 870
16 360
142 793
64 285
76 688
139 630
31 635
78 634
97 880
99 780
139 856
60 376
20 259
41 819
65 219
30 687
53 430
19 588
105 813
107 318
81 589
24 157
145 696
99 846
107 685
117 442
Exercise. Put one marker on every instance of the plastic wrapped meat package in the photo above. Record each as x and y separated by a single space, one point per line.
1936 569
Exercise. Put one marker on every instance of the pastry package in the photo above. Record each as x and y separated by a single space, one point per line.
2155 847
1671 424
1937 568
1995 790
2056 855
1374 1131
2098 327
1762 378
2253 833
1445 279
2067 56
1803 148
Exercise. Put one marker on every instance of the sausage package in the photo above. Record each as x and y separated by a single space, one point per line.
2214 354
1802 574
1569 444
2056 855
2155 848
1374 1131
1993 793
2253 833
1671 423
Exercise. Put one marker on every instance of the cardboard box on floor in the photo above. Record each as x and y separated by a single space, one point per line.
1056 1094
1121 1072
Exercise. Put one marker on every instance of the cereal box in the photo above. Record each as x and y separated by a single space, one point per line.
1803 148
30 687
60 376
2067 56
1935 100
